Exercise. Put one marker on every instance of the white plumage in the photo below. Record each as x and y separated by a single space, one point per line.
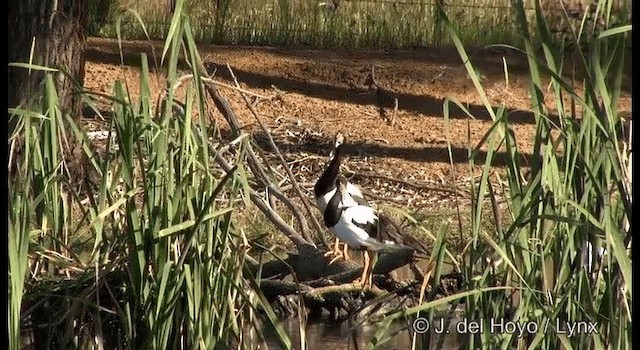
352 190
347 230
325 189
356 225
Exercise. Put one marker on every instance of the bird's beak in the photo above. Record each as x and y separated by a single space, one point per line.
339 139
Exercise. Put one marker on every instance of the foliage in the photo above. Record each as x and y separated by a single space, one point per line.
150 256
377 24
564 258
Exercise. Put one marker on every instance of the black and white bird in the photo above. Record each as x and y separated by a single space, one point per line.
361 227
325 189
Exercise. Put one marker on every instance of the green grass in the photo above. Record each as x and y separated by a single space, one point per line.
165 234
354 24
166 259
577 194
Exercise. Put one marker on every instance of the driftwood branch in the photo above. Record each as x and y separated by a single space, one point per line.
342 274
386 263
273 288
283 162
333 290
224 108
312 267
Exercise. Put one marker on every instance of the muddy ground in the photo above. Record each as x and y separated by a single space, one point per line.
404 162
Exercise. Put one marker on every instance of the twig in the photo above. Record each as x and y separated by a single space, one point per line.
277 220
266 161
238 88
224 108
208 80
371 117
266 209
230 117
290 205
300 160
410 184
232 143
283 162
372 195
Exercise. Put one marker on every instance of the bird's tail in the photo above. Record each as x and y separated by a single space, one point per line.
380 247
395 233
420 256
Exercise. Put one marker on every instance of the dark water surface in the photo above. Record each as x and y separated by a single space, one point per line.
325 336
345 336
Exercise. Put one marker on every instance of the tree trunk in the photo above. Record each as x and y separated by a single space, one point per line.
56 31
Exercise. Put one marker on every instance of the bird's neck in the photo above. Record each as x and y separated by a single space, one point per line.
347 200
326 182
333 211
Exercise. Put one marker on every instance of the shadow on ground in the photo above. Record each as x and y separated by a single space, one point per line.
320 146
427 105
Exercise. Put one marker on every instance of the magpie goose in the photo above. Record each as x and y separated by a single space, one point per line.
359 226
325 189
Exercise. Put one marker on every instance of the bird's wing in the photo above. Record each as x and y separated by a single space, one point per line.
355 193
366 219
391 231
360 200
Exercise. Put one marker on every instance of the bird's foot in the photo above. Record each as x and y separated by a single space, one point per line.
359 282
366 283
337 255
336 258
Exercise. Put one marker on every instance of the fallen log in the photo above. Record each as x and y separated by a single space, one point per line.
307 274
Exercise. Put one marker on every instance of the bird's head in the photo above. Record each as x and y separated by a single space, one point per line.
341 185
339 139
338 146
346 200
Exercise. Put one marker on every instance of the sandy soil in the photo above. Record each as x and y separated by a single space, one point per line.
324 92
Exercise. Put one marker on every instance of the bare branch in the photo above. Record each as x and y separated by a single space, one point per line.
238 88
283 163
277 220
264 207
272 189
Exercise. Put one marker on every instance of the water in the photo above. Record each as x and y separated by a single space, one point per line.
327 336
344 336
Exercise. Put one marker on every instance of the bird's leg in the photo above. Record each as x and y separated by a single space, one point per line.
336 247
337 257
365 267
335 252
372 267
345 252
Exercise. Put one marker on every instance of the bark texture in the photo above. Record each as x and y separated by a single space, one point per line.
56 31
